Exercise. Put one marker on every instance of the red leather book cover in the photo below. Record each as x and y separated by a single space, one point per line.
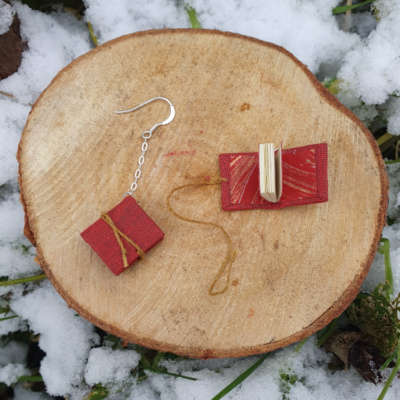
304 179
132 221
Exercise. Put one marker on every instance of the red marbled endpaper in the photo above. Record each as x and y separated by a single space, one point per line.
304 179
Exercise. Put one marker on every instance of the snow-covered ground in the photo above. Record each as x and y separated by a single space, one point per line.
367 64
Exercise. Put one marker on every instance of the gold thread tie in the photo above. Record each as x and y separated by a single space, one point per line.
230 254
118 234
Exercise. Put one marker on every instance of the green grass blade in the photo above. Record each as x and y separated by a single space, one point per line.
300 345
328 333
116 343
392 161
384 138
159 356
34 378
333 85
388 361
10 317
99 392
23 280
391 376
343 9
158 371
385 250
193 17
144 361
5 310
240 378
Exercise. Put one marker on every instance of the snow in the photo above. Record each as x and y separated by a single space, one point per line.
361 23
107 365
366 60
209 383
16 252
270 22
293 24
110 21
64 337
370 71
377 272
10 373
12 119
54 40
13 352
6 16
11 325
21 393
393 115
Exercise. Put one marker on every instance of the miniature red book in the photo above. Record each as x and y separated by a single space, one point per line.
304 179
131 221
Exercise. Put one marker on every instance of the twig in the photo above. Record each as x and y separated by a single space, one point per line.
92 35
342 9
6 94
347 17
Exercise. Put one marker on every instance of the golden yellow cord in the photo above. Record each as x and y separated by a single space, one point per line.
118 234
230 254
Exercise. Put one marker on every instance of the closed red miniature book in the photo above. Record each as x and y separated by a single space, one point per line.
304 179
131 221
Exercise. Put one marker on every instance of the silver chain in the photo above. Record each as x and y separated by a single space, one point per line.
146 135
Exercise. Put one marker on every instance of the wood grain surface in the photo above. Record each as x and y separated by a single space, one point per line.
296 269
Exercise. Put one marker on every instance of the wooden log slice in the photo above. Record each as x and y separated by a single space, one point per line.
296 269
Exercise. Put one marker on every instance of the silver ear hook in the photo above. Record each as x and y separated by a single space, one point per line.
146 135
166 122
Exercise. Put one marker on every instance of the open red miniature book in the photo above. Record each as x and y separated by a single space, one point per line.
304 179
130 219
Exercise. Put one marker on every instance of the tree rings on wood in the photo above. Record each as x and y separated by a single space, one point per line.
296 269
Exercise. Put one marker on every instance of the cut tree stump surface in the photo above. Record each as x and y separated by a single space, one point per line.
296 268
